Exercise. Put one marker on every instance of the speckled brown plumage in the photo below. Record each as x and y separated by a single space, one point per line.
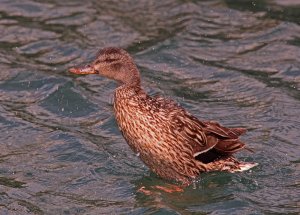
170 141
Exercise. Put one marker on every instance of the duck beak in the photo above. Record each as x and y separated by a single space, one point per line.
83 70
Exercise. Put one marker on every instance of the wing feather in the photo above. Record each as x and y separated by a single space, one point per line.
202 136
207 135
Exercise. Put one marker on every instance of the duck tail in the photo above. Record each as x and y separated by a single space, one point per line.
243 166
233 165
230 164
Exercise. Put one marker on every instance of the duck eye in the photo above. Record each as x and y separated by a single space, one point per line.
106 60
110 60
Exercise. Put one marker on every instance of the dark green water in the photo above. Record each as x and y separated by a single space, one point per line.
236 62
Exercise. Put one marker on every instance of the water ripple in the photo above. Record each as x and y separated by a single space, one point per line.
229 61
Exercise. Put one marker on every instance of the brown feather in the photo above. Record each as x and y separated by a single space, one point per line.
170 141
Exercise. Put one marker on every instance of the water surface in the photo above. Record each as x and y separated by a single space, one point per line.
237 62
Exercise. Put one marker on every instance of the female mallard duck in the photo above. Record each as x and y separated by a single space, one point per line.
170 141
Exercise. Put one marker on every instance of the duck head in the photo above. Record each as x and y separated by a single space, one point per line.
113 63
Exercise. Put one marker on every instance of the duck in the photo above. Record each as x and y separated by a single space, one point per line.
172 143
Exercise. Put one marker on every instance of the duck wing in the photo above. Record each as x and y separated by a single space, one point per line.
207 135
199 136
216 128
228 142
191 132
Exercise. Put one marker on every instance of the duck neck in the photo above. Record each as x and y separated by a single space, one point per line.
130 82
130 76
127 90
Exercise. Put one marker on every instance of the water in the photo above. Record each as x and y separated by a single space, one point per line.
237 62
